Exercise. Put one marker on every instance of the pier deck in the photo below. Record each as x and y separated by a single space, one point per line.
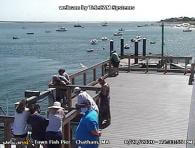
148 106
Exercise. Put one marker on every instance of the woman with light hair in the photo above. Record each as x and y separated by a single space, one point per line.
54 128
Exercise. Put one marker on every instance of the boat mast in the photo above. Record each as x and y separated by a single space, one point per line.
162 47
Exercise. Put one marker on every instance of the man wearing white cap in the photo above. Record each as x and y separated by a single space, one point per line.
84 98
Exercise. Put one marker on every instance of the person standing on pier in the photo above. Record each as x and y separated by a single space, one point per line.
54 129
38 124
62 78
115 61
87 132
104 116
20 128
82 98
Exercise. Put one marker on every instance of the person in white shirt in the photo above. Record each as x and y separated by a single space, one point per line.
54 128
20 127
82 98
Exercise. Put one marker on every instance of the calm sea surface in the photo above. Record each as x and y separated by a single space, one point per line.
30 61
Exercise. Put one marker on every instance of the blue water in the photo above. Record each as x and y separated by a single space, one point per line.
29 62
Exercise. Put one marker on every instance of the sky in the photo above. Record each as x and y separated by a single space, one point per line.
48 10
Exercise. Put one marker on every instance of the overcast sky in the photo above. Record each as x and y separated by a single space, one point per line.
47 10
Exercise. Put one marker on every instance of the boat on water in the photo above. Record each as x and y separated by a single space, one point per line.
121 29
47 31
78 25
61 29
152 42
126 46
105 24
187 30
118 33
90 50
104 38
93 42
30 33
15 37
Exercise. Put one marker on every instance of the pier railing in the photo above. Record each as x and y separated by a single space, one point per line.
71 112
156 63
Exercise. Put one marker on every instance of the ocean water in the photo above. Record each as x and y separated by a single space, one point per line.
29 62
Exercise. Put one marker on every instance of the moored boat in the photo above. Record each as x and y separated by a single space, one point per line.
93 42
61 29
118 33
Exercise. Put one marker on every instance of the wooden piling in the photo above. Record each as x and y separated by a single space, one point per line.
122 47
144 46
136 52
111 46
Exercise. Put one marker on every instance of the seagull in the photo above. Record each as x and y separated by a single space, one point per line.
83 66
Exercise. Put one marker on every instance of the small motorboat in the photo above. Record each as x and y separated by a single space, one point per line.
104 38
90 50
118 33
121 29
126 46
93 42
78 25
152 42
105 24
15 37
133 40
187 30
47 31
30 33
61 29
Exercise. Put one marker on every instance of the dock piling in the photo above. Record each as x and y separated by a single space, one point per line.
122 47
144 46
111 46
136 52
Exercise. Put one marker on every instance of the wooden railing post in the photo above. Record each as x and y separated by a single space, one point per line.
165 64
73 81
110 69
102 70
185 70
69 97
84 79
7 133
51 96
94 74
191 79
67 135
129 63
147 65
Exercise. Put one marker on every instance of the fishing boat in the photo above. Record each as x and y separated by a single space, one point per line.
187 30
78 25
152 42
104 38
118 33
61 29
30 33
126 46
47 31
15 37
93 42
90 50
105 24
121 29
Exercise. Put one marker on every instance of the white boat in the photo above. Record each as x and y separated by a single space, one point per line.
90 50
152 42
126 46
121 29
105 24
118 33
187 30
104 38
93 42
61 29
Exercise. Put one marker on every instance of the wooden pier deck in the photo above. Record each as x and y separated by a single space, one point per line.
148 106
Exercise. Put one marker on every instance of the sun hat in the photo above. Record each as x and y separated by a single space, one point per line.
77 90
56 105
